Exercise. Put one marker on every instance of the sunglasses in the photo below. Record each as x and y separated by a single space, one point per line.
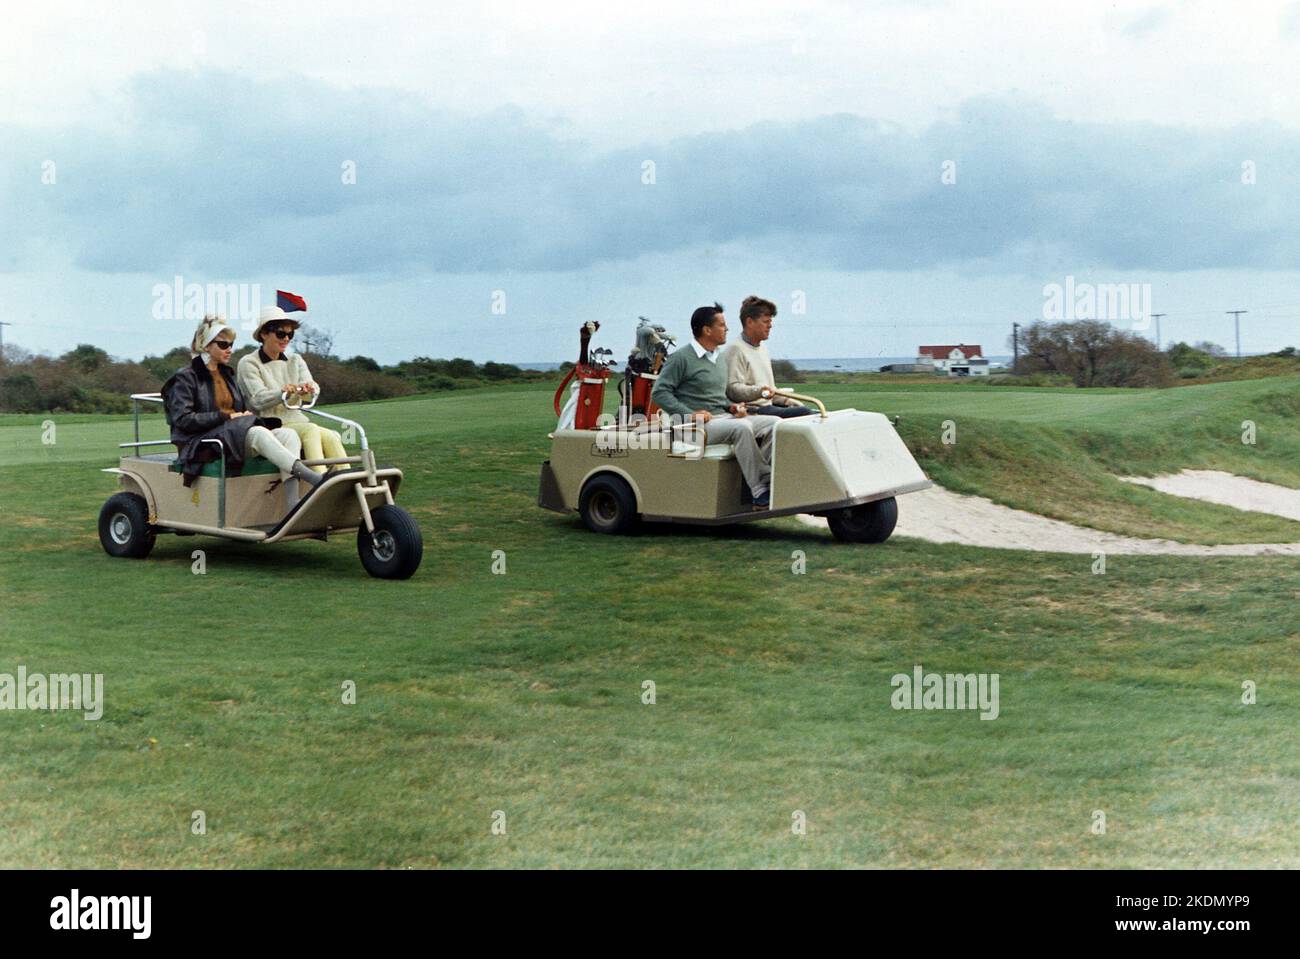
223 344
282 334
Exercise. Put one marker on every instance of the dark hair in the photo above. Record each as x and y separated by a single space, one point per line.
704 317
754 307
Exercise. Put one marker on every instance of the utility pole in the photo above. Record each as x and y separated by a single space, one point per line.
3 324
1015 347
1156 317
1236 318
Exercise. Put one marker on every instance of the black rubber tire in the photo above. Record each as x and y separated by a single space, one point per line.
608 505
867 523
396 548
124 528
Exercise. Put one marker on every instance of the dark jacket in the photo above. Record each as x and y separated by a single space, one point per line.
191 406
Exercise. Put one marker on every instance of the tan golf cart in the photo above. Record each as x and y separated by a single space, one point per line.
849 466
256 506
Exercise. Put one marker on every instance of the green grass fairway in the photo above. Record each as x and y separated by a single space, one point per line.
522 693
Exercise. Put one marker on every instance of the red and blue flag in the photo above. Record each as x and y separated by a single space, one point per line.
290 302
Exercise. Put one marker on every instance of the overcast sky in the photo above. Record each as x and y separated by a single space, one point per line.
890 174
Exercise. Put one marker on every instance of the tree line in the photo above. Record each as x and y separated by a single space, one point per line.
87 379
1085 353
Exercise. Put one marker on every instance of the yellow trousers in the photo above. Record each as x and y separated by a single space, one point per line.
319 443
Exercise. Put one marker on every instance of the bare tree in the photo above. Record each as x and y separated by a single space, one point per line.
311 341
1093 353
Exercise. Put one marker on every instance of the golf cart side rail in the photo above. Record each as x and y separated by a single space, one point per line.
311 408
136 399
367 457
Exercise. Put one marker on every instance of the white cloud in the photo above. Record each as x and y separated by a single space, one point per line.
618 74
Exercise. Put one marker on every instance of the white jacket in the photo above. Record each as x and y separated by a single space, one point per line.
263 379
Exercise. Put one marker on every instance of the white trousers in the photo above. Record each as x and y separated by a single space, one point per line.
282 447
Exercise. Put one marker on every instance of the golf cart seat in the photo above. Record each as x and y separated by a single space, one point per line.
253 466
714 451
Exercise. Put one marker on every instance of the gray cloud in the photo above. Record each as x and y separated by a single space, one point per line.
216 173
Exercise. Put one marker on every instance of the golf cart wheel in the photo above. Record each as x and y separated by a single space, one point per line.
124 528
608 505
867 523
395 548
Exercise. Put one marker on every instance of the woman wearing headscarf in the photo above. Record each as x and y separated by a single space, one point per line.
265 376
203 401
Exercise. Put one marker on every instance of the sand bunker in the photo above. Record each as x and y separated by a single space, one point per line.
942 516
1215 486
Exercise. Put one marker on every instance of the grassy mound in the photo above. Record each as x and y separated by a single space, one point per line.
1056 452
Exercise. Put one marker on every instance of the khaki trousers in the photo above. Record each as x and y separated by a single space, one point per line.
318 443
752 438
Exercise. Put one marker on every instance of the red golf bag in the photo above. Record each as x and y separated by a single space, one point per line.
591 394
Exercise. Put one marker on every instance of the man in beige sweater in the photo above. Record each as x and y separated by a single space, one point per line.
749 368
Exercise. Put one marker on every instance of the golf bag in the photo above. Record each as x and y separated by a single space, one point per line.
634 394
643 364
587 394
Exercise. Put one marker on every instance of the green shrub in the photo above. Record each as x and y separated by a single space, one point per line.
786 372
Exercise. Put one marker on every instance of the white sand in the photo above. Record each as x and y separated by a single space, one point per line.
1215 486
941 516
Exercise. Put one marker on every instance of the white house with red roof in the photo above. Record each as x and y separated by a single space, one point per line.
960 360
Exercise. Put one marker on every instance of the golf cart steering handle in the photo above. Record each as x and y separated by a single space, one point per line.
284 398
806 399
301 404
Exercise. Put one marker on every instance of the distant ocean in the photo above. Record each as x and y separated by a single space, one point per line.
867 364
844 364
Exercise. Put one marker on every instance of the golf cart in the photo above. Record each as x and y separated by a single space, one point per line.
256 506
848 466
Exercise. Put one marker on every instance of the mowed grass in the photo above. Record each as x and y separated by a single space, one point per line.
522 693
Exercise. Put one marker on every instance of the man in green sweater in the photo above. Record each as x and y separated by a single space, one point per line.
692 386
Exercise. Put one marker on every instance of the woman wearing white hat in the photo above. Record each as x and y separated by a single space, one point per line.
272 371
203 401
